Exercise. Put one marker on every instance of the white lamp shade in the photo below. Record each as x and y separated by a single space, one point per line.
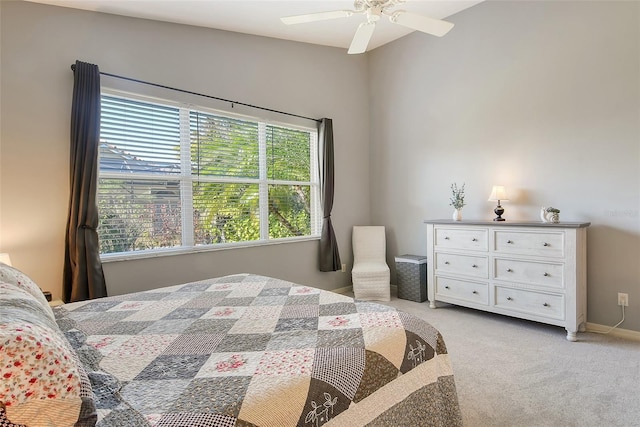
498 193
5 258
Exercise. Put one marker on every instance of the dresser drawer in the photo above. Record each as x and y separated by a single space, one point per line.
464 238
530 272
531 302
468 265
462 290
548 243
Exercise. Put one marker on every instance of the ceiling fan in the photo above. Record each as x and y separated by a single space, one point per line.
374 9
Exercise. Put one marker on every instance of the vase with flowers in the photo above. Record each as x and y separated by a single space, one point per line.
457 201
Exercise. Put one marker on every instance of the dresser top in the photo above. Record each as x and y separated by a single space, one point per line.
508 223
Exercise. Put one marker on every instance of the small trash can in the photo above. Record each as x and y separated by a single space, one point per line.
411 277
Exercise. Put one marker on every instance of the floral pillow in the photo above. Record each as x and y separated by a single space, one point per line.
42 382
16 277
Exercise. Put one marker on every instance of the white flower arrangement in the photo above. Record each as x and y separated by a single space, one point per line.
457 196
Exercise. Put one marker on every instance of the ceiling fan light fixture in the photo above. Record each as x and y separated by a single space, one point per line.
373 10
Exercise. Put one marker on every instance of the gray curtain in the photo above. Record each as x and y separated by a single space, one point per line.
329 254
83 275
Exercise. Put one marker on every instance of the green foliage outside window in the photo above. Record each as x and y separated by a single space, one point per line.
226 185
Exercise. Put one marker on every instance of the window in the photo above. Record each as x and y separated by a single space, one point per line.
178 177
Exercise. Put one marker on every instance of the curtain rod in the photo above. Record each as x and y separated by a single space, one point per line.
73 68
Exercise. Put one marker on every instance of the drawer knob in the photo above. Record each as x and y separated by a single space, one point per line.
545 304
446 238
509 270
546 244
447 287
509 241
475 292
509 299
474 266
474 240
546 274
446 262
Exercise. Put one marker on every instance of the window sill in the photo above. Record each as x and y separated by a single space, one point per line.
198 249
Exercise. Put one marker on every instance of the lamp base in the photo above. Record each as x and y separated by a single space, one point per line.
499 210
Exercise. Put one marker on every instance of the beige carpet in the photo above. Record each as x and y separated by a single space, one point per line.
512 372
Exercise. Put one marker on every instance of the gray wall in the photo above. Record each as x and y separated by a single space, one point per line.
38 45
542 97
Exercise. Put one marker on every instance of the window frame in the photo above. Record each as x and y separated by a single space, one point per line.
186 180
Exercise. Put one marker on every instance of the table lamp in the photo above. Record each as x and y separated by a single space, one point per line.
498 193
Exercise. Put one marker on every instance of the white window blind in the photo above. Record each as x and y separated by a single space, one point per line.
179 177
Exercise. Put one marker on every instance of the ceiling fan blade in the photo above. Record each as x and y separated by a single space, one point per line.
422 23
312 17
361 38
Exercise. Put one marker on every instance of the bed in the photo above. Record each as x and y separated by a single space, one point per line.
242 350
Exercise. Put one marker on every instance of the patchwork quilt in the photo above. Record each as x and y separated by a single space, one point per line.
249 350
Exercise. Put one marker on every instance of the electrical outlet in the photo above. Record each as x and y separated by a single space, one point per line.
344 268
623 299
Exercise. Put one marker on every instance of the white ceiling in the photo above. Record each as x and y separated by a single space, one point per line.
262 17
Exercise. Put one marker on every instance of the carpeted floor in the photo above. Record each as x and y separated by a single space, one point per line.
512 372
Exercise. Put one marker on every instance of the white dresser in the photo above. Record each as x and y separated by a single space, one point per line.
530 270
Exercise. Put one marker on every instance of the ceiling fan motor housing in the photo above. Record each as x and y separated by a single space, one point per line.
379 6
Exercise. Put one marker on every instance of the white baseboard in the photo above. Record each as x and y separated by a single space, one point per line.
617 332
